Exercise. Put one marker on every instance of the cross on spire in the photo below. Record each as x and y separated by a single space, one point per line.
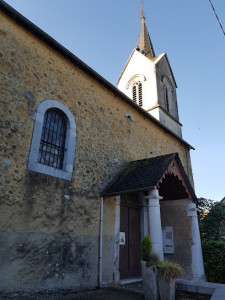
145 45
142 9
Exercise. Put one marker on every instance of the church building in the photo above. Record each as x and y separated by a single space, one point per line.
88 169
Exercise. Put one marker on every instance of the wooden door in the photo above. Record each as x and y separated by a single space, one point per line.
130 252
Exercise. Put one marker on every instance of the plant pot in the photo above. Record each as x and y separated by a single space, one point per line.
150 282
167 289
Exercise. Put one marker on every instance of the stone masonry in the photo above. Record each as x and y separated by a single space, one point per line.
49 227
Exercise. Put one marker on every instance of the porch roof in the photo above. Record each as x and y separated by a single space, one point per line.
142 175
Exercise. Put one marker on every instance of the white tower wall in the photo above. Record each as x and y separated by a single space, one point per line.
140 69
149 81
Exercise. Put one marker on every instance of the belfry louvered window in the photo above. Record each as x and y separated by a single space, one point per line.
52 144
134 89
140 94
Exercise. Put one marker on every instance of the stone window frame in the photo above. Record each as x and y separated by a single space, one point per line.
70 143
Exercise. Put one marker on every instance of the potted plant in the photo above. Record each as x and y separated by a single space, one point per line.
149 270
167 274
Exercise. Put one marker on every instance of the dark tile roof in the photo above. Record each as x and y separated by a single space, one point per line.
140 175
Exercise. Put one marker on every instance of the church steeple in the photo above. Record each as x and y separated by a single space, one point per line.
145 45
148 80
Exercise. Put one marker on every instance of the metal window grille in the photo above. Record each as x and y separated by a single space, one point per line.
140 93
134 93
52 145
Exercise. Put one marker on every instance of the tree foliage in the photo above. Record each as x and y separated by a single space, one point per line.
211 220
214 259
204 207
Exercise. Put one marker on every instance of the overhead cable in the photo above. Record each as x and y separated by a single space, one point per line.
217 17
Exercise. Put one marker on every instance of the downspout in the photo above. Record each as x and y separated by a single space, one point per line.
100 244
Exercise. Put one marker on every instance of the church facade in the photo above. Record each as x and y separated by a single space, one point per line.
87 169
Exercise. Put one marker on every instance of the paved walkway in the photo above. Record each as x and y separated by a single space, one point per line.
99 294
132 291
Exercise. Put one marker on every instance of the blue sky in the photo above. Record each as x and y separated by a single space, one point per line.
103 34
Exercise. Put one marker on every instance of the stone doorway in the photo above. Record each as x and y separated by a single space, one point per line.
130 250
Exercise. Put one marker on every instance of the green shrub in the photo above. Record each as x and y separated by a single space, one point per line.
146 248
214 260
169 270
153 260
213 224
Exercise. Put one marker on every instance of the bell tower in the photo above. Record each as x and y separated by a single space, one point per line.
149 81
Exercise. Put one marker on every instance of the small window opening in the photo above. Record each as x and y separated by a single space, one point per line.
166 99
140 94
52 144
134 93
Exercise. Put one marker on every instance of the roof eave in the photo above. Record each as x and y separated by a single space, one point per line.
125 66
127 191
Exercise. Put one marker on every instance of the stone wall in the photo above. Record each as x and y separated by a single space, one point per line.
174 214
108 248
50 227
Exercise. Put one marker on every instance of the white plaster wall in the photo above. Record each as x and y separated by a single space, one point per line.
169 122
149 73
140 65
155 113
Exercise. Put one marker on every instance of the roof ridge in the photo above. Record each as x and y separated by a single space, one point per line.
173 153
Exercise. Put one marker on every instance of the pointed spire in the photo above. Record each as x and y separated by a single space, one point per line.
145 45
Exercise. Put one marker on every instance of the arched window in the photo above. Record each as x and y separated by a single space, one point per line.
140 93
134 90
166 98
167 94
52 145
52 150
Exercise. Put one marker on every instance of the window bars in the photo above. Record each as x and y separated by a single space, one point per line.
52 144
